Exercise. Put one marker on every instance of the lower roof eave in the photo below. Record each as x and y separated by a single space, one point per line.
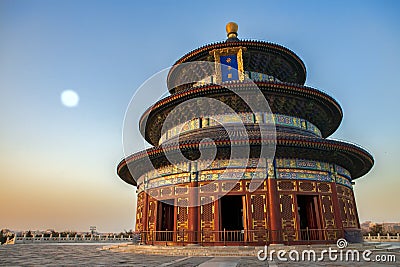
355 159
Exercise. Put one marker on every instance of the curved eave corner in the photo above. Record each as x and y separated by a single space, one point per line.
124 173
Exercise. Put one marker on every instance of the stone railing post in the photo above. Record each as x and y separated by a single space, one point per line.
379 237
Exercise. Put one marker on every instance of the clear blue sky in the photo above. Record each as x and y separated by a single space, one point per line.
57 164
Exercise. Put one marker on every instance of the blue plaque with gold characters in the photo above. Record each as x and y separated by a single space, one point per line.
229 68
229 64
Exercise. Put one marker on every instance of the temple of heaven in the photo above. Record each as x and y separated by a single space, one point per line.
229 170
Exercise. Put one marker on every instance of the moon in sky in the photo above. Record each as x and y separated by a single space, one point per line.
69 98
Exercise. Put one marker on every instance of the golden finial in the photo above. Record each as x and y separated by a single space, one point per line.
231 29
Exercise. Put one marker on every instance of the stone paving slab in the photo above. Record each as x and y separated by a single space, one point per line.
221 262
93 255
73 255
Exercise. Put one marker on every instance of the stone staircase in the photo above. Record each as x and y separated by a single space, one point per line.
185 250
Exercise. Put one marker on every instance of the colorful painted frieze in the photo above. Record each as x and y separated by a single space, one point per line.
342 171
343 181
169 180
302 164
303 175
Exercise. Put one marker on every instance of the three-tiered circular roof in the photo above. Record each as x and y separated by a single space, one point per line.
287 95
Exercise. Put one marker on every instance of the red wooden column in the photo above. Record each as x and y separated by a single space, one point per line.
144 211
336 208
193 211
248 216
355 208
274 212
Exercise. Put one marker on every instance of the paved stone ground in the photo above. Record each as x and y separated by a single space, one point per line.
92 255
73 255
